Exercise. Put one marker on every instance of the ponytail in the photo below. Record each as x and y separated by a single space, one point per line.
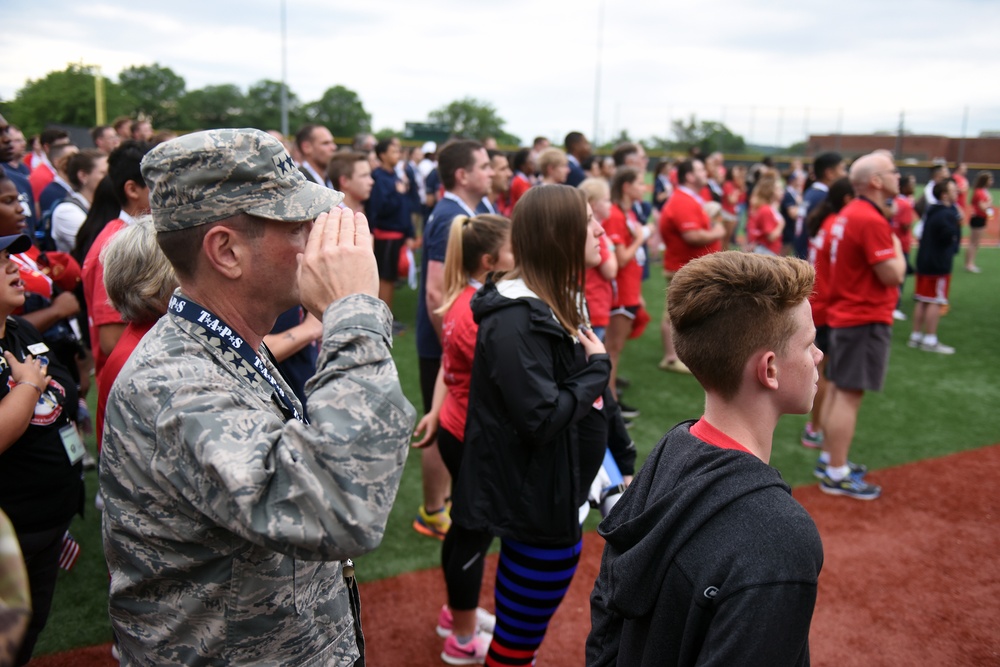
468 240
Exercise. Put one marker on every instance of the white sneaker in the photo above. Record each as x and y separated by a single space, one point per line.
937 347
899 315
915 342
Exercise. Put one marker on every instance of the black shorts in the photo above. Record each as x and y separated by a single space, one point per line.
977 222
387 257
859 357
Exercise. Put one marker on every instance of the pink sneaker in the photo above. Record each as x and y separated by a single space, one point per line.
485 621
473 653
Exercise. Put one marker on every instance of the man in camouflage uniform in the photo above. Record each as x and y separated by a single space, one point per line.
227 514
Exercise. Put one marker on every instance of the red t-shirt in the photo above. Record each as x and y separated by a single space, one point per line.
705 432
762 222
683 212
458 344
962 184
599 291
518 186
731 196
619 227
981 201
819 257
112 367
902 222
99 311
860 238
40 177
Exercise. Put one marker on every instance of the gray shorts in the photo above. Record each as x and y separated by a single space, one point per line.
859 357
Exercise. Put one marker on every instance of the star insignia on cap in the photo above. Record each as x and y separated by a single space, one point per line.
280 164
290 162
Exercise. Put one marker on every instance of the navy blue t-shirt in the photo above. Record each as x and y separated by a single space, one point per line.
386 208
302 365
812 198
435 246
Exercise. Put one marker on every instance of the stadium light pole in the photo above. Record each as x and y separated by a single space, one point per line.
284 73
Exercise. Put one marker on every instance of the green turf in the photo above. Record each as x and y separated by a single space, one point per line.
932 405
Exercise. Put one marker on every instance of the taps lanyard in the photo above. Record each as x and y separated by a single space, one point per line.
204 318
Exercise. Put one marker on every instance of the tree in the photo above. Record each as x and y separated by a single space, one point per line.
707 135
340 110
473 119
66 98
156 92
263 107
212 107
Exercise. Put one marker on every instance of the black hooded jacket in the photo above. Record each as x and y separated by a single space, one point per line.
534 438
708 561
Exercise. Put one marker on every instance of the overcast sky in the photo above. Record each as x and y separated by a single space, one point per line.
772 74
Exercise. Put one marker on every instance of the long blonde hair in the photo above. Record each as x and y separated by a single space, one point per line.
468 240
548 235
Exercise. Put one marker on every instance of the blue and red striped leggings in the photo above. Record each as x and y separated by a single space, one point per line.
531 583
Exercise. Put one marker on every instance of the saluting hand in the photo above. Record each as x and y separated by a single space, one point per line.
338 260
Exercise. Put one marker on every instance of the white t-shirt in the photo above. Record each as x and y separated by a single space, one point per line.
67 218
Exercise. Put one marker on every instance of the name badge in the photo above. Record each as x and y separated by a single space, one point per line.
72 443
38 348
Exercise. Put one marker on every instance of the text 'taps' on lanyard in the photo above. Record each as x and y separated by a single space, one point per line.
214 326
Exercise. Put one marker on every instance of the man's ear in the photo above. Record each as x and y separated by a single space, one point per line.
226 251
766 367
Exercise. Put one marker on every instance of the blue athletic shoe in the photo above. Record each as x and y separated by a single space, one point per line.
850 486
857 469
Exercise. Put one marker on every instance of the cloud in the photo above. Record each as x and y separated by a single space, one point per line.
770 72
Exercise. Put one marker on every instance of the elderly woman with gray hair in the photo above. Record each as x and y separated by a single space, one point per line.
139 281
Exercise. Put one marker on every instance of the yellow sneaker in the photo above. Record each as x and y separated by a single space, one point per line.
435 524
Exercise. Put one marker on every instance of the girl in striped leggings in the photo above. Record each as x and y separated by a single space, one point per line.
535 433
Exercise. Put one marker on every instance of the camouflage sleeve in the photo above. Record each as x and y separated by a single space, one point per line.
15 600
317 491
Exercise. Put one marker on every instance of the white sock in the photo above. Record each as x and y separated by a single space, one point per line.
930 339
916 336
837 474
824 458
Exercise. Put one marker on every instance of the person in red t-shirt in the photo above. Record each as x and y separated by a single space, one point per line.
600 286
903 216
866 269
959 175
688 233
818 226
106 324
139 283
765 224
476 247
981 210
628 235
524 169
499 194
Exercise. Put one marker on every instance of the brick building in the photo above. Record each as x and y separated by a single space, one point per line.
919 147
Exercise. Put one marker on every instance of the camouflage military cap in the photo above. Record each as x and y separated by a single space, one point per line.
208 176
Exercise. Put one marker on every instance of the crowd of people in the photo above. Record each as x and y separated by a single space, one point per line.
231 294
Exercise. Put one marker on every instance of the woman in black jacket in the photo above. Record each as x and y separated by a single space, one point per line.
536 432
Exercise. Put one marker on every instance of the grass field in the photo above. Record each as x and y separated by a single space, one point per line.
932 405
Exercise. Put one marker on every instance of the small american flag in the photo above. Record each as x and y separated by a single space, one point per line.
70 552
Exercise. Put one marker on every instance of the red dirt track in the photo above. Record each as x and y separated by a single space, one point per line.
910 579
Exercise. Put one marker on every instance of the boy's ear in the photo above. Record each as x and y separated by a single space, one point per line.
767 369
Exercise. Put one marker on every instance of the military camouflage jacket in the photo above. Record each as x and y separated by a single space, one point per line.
225 523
